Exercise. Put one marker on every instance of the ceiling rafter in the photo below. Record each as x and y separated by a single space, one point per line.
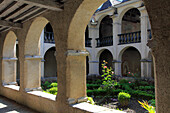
10 24
48 4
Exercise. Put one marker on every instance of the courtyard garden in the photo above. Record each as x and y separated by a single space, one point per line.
130 94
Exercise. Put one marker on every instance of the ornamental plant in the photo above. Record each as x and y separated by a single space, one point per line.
130 74
124 99
146 106
107 81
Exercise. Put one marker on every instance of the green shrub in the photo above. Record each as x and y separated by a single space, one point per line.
53 90
46 85
93 86
54 84
90 99
123 81
124 98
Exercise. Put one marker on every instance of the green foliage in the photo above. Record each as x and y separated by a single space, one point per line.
123 81
152 102
53 90
93 86
46 85
124 98
90 99
146 106
54 84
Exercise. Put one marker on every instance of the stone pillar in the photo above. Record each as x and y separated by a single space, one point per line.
32 79
93 33
76 76
9 71
144 32
93 68
144 65
117 70
149 68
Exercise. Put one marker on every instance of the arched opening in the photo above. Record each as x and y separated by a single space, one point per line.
131 21
107 56
50 64
130 27
131 62
9 60
105 32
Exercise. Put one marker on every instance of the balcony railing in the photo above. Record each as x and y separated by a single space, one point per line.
133 37
88 42
49 37
106 41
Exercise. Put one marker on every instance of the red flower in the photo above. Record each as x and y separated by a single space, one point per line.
129 82
105 66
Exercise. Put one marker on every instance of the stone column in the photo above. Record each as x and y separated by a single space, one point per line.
117 67
144 65
9 71
76 79
93 63
149 68
32 79
144 32
93 68
116 31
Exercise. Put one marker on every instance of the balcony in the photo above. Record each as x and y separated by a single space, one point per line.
88 42
49 37
133 37
106 41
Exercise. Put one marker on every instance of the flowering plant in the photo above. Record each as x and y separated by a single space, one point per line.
146 106
130 74
108 82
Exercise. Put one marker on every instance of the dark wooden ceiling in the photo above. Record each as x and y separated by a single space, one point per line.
13 13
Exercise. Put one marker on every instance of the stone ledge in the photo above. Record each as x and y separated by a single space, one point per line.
33 57
43 95
9 59
94 108
14 87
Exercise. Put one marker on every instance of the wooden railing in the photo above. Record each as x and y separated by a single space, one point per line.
106 41
133 37
88 42
49 37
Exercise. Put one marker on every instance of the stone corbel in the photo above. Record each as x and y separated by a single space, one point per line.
77 53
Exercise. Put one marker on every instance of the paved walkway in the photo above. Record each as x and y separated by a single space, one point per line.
9 106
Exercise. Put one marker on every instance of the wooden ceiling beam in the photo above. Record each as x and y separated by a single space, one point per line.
10 24
48 4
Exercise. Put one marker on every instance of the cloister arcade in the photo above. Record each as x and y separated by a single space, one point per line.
68 30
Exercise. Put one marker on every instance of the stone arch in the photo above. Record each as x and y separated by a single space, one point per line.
123 49
9 60
32 63
50 63
47 48
131 61
9 49
87 7
124 11
32 44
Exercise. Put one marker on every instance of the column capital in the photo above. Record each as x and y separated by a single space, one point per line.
76 53
116 61
33 57
146 60
9 59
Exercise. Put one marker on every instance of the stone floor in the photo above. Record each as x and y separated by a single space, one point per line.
9 106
